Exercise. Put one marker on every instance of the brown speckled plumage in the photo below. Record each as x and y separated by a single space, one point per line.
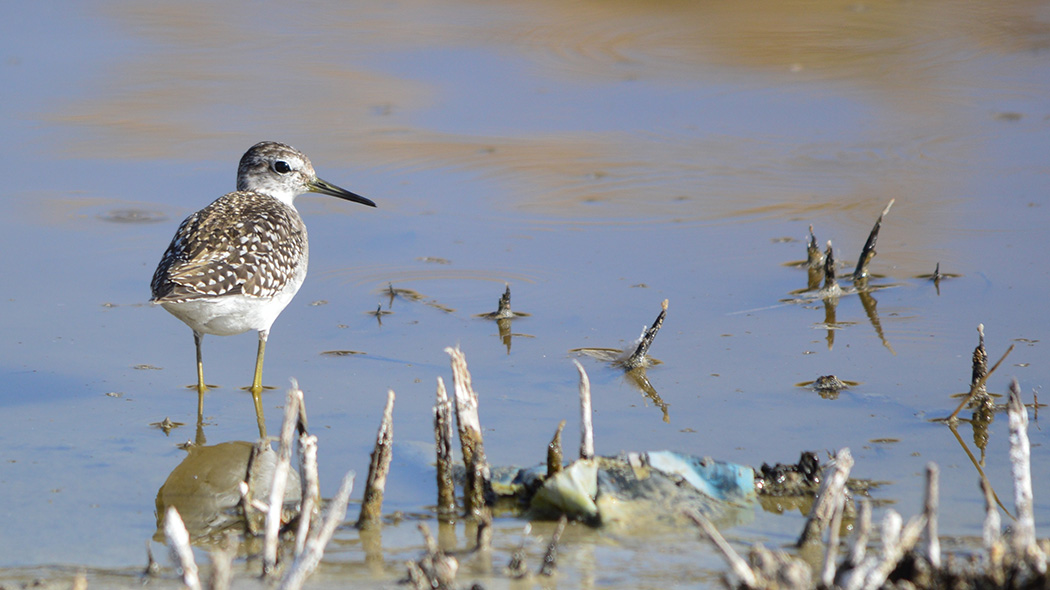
244 243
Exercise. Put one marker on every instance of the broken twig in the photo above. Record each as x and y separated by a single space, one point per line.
833 486
179 542
639 358
1021 468
814 257
470 439
868 252
306 562
586 421
554 452
443 428
372 503
979 385
930 507
827 575
742 575
311 493
873 572
280 479
831 289
992 532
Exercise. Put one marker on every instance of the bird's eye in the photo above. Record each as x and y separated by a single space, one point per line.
281 167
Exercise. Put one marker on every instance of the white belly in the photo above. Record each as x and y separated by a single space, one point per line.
233 314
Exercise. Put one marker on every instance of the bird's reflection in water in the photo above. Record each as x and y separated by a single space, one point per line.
205 488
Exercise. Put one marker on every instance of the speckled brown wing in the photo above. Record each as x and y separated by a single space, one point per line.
244 243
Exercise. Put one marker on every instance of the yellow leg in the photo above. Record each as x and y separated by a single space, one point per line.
257 383
259 418
201 387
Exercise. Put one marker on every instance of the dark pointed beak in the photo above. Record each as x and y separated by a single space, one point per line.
327 188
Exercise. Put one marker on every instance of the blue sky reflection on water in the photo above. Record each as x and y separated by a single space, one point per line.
598 157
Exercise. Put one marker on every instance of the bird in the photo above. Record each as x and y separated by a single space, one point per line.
234 265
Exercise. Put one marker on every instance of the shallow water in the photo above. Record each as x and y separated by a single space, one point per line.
598 157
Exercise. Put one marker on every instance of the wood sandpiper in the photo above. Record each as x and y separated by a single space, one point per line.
234 265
